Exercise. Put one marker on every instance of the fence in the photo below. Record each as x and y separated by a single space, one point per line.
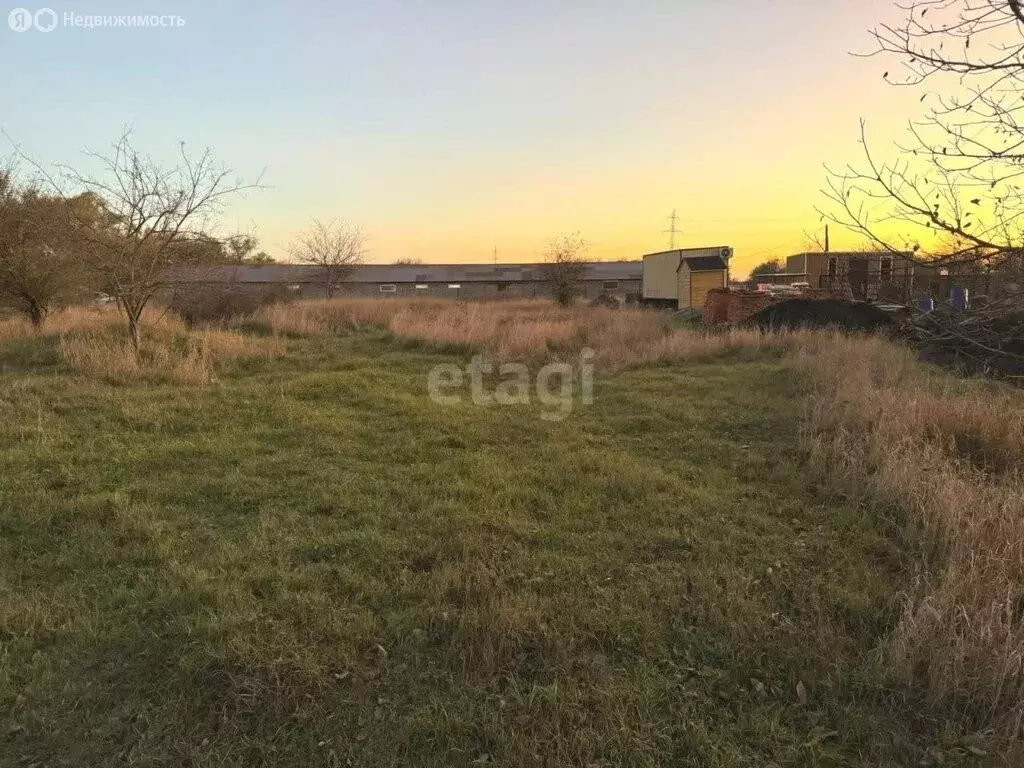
879 285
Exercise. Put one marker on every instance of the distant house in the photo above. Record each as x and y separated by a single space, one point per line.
862 274
616 278
865 273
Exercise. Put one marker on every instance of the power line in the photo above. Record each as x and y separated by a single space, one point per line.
673 229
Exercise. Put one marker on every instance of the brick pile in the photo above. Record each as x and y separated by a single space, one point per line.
729 307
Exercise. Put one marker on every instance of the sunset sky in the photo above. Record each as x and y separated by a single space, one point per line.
450 127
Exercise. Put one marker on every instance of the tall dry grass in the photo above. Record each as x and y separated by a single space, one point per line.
72 320
92 341
950 453
189 358
521 330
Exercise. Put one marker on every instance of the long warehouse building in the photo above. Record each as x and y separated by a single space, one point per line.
618 278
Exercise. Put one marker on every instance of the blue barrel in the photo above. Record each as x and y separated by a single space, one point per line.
959 298
927 305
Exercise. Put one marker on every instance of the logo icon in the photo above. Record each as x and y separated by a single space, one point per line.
45 20
20 19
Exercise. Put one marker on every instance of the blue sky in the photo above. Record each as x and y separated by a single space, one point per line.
447 128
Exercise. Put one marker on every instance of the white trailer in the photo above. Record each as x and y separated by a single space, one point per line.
661 273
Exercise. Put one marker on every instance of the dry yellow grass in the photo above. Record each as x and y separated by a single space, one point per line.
950 454
110 357
74 319
521 330
92 341
166 355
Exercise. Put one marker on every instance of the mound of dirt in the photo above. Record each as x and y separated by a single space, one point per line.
822 313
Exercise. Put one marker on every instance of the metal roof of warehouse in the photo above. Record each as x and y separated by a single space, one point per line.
412 273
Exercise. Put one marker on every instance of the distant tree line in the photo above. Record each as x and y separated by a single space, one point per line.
770 267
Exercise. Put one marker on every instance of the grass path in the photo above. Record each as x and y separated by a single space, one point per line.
309 563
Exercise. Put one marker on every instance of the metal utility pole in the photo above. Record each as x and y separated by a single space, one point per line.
673 229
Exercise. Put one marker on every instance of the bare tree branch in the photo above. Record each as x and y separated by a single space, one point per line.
152 218
953 192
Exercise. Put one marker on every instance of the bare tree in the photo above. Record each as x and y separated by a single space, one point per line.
952 193
38 269
564 267
154 218
335 248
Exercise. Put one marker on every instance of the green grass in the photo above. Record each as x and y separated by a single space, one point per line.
309 563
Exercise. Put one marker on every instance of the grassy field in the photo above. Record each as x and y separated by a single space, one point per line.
300 559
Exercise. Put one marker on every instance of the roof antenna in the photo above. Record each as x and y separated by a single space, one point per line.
827 249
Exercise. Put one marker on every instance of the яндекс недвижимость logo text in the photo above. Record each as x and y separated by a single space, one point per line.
47 19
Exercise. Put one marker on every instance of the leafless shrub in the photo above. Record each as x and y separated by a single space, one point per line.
335 248
218 302
564 268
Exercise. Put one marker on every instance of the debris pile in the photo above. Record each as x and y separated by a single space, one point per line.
985 340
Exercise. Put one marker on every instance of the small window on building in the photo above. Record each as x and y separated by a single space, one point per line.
833 266
502 287
454 286
610 285
422 287
294 287
885 269
388 288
